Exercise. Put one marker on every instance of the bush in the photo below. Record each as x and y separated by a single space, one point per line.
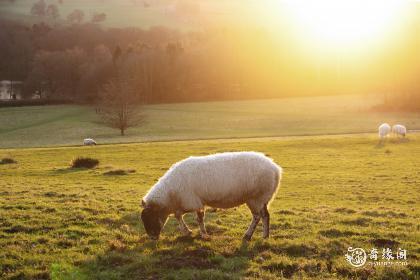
7 161
84 162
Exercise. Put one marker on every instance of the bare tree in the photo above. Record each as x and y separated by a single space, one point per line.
120 107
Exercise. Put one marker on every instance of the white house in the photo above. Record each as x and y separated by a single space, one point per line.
10 90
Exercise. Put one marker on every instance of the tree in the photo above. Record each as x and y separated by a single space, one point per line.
76 16
39 8
119 107
47 70
58 72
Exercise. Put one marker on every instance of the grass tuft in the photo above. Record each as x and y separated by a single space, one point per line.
7 161
84 162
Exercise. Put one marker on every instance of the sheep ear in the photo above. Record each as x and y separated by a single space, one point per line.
143 204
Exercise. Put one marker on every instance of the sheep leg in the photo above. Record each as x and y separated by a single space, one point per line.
182 226
248 234
265 221
200 220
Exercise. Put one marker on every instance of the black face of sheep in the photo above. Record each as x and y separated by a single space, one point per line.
153 220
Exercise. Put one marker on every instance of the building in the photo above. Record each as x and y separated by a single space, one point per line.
10 90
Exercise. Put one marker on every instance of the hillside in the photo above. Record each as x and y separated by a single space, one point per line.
68 125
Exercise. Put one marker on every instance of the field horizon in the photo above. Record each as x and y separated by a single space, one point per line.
38 126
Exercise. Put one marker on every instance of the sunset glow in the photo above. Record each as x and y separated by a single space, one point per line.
344 23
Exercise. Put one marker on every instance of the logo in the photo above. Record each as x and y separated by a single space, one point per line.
356 257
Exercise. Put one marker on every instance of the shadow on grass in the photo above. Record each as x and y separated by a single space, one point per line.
69 170
132 255
399 140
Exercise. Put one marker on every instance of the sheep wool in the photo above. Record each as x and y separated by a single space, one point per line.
399 129
221 180
384 129
89 142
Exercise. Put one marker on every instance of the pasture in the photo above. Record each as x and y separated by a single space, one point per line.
46 126
337 192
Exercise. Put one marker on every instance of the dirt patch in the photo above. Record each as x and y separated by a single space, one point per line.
364 222
119 172
213 230
285 269
344 210
297 250
53 194
187 261
334 233
20 229
388 214
198 253
385 243
285 212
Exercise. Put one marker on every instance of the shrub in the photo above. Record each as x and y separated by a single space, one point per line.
84 162
7 161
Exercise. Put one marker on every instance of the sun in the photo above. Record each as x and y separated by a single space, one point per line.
344 23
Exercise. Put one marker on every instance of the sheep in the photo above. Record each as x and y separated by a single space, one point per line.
89 142
222 180
399 129
384 129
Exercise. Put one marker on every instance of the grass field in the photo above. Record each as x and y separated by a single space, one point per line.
68 125
337 191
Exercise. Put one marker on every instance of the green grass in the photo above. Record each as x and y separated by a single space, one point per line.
68 125
337 191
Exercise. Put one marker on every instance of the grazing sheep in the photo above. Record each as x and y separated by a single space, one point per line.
384 129
399 129
89 142
222 180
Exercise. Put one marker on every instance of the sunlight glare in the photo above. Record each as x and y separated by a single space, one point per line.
339 23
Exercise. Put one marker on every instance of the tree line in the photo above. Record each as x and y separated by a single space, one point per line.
76 61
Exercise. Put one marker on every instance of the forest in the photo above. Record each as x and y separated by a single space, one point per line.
72 58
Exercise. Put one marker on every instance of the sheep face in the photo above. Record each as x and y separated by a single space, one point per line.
153 219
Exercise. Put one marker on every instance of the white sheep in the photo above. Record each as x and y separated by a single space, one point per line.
384 129
223 180
89 142
399 129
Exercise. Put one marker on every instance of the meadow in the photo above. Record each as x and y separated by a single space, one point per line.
337 192
46 126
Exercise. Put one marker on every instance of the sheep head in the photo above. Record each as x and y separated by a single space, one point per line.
154 218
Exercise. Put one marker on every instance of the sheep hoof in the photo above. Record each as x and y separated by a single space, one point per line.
246 238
